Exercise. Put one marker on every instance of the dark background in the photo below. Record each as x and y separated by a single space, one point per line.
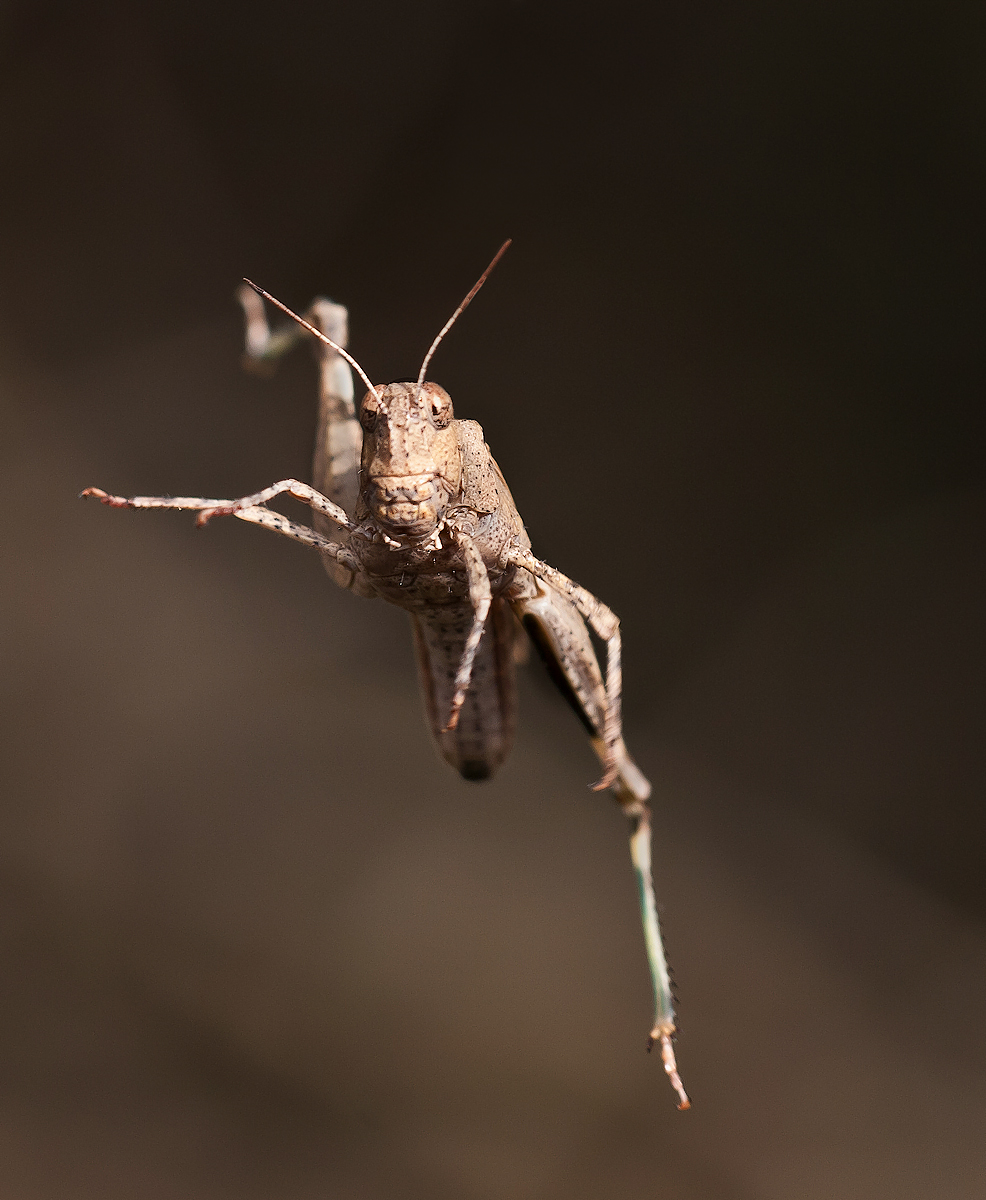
257 940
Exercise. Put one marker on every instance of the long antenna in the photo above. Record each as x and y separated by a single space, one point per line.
458 312
319 334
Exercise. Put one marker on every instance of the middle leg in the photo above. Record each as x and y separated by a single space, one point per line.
294 487
254 514
606 625
207 509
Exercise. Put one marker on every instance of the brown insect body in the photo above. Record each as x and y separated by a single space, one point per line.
420 467
409 506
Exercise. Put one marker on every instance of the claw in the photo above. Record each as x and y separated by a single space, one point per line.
206 515
105 497
608 779
670 1066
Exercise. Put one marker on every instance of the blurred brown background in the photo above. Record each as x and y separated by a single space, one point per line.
257 940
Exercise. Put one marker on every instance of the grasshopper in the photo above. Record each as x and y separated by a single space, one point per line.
410 506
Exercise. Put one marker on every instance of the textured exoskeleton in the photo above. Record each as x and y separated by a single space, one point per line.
409 505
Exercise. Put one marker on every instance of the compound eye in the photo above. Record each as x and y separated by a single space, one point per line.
441 409
368 412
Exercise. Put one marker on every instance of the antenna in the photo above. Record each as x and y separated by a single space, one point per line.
462 307
321 336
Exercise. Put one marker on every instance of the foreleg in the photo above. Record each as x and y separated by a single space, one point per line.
249 508
480 597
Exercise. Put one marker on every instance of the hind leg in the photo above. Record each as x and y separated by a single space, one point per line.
556 626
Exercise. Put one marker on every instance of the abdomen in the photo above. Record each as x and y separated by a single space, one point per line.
485 732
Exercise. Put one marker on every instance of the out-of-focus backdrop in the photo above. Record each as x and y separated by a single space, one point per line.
257 940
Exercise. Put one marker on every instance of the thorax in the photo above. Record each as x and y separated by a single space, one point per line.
420 577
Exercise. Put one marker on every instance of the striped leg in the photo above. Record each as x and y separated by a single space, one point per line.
606 624
664 1027
552 618
480 597
247 509
338 438
264 346
207 509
